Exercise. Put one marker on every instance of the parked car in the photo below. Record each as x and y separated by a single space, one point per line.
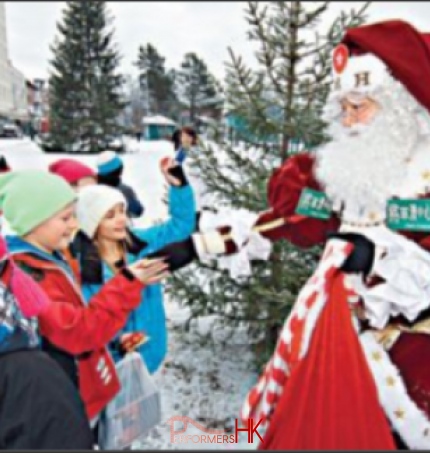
10 130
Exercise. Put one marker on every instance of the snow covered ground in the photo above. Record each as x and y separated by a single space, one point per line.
204 377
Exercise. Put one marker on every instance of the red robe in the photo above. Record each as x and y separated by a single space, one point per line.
329 400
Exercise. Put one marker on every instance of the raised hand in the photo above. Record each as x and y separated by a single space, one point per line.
149 271
173 173
131 341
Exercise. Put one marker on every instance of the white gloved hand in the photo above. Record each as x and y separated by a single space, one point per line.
250 244
209 244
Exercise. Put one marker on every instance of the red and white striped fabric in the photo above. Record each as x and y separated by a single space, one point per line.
295 336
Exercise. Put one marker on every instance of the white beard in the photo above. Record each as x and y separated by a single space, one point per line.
363 166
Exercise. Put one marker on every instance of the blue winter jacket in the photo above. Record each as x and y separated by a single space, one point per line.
150 316
181 155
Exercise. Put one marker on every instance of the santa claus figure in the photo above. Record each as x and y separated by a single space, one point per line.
351 367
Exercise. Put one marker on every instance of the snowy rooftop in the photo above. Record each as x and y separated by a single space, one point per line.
158 119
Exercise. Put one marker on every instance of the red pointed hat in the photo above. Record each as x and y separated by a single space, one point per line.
402 51
71 170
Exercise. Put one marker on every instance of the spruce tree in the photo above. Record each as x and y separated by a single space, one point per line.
196 84
135 110
85 86
274 107
156 81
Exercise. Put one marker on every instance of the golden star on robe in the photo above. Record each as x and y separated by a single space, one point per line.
390 381
399 413
373 216
425 174
376 356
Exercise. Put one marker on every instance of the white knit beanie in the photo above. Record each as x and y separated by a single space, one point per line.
93 204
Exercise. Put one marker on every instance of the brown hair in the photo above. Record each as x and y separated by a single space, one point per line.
176 139
191 132
123 245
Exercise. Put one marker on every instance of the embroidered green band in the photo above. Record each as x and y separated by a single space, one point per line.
412 215
314 204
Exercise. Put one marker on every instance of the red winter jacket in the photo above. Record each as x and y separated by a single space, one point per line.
75 328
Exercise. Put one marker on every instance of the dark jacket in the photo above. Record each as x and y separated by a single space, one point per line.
134 206
113 179
40 409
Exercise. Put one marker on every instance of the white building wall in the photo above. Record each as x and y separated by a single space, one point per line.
6 98
19 95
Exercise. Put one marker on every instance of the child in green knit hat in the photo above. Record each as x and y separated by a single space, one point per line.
27 372
30 197
40 208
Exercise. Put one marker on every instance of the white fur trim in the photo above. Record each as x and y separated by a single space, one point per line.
408 420
251 245
241 222
405 268
208 244
239 264
105 156
363 74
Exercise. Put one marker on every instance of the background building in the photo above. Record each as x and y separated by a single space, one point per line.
20 108
6 98
14 104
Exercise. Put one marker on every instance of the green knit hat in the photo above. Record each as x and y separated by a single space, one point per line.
29 197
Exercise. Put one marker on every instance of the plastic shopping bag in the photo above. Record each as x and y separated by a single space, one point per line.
136 408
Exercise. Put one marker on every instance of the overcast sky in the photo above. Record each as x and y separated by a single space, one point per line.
175 28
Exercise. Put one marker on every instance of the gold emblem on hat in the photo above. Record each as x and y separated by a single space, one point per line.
362 79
